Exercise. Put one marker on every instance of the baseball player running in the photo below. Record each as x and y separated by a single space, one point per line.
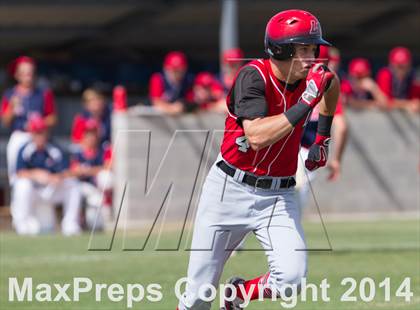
250 188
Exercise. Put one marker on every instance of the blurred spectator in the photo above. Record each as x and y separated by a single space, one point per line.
360 90
334 58
43 177
90 163
170 90
232 61
94 107
339 136
398 81
340 128
208 93
22 102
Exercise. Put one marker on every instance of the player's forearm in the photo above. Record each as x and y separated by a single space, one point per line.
340 134
361 103
84 172
262 132
379 96
93 171
24 173
32 174
64 174
164 105
329 102
7 119
161 105
401 103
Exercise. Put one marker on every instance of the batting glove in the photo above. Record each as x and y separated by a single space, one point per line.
317 82
318 153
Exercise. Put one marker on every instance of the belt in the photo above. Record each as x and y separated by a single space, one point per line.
255 181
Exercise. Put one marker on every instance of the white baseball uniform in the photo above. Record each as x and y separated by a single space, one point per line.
27 194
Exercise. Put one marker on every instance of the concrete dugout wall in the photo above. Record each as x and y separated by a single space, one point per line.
161 162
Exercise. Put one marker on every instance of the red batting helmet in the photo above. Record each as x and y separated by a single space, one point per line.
233 55
204 79
359 67
36 124
288 27
175 60
20 60
400 56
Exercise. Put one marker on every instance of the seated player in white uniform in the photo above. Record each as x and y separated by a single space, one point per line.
43 178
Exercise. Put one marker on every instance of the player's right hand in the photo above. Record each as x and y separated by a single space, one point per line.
317 82
41 176
318 153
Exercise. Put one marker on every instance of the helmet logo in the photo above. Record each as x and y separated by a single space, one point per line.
314 27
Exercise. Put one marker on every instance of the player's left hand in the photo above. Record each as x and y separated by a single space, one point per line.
335 170
318 153
367 84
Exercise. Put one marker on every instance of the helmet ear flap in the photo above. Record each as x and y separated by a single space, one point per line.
280 51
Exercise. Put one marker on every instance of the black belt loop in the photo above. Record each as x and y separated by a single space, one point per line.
252 180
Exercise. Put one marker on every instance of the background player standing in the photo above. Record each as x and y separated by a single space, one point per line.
170 90
22 102
251 185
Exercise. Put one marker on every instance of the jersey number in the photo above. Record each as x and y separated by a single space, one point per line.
242 143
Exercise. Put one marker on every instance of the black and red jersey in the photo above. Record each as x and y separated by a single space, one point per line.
280 158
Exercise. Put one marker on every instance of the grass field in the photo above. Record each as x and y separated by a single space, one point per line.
368 249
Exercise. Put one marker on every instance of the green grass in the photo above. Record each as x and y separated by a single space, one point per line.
368 249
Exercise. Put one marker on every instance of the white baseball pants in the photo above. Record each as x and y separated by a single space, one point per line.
16 141
227 211
27 195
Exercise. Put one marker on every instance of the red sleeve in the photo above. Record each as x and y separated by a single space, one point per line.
156 86
189 95
384 81
4 105
49 103
346 88
77 129
107 155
